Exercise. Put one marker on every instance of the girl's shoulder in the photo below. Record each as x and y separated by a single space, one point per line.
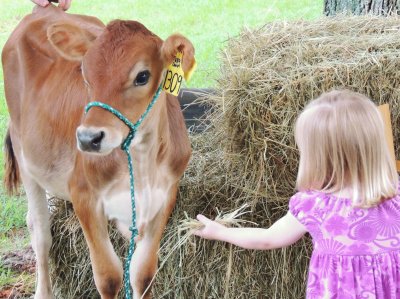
306 200
314 203
323 212
303 205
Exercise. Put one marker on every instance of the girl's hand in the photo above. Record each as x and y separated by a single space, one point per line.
64 4
211 230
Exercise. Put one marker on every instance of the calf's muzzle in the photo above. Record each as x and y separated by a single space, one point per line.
89 140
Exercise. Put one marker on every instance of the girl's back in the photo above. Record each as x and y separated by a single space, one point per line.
356 250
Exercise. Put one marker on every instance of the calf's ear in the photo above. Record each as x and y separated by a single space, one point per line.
178 43
69 40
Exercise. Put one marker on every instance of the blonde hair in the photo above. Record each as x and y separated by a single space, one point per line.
341 140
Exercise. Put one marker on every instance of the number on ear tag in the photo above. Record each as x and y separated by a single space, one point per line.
174 76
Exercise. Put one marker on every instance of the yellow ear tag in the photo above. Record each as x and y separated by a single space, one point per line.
175 75
190 72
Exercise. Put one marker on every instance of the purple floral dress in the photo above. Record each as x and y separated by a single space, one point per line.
356 251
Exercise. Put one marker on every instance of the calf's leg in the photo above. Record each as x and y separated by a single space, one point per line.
38 220
144 261
107 268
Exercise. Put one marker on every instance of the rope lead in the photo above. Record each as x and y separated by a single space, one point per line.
125 147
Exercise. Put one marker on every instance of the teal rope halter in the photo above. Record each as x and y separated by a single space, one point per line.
125 147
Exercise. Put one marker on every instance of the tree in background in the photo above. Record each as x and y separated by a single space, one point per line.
360 7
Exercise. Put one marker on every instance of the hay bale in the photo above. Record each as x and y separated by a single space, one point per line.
269 75
248 154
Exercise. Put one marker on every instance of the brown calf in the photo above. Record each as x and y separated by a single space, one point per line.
54 64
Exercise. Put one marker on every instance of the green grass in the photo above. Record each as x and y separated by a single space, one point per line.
208 24
11 216
10 278
13 236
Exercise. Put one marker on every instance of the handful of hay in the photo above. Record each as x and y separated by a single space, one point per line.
248 155
190 225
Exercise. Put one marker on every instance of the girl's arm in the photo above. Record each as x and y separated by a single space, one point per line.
283 232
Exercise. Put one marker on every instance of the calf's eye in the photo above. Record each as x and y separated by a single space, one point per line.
142 78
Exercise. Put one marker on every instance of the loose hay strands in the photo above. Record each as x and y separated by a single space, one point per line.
248 154
189 225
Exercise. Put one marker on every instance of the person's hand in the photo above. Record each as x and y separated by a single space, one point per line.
211 230
64 4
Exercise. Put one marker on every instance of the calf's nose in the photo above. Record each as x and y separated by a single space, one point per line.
89 140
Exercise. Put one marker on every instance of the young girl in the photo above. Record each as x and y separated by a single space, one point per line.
348 201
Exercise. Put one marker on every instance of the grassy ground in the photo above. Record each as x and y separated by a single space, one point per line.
208 24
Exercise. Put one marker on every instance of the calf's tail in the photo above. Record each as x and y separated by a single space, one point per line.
12 178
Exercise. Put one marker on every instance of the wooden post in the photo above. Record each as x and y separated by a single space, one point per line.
385 112
361 7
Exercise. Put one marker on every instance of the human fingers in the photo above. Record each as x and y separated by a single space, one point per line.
203 219
64 4
207 231
43 3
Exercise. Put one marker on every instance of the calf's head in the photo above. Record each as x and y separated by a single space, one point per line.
122 67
